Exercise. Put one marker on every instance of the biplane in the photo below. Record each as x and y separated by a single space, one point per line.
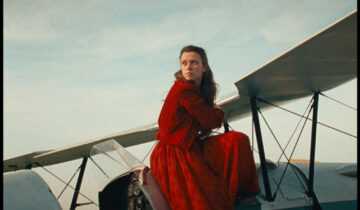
319 63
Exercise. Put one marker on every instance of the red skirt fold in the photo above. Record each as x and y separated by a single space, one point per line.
209 176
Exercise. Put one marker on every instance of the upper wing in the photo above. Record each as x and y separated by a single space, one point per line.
126 138
321 62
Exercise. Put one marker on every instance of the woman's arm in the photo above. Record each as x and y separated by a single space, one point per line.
208 117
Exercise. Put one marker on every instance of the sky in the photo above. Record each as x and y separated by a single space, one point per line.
75 70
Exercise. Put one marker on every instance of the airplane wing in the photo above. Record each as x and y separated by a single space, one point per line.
319 63
32 160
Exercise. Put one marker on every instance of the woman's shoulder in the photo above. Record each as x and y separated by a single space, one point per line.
184 85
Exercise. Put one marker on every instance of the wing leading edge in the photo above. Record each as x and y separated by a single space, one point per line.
322 62
319 63
50 157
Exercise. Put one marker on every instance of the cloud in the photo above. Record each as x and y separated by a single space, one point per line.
52 21
299 21
26 27
54 114
72 66
292 25
172 31
108 30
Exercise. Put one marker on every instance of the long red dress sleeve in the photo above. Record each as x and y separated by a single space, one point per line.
184 114
207 116
195 176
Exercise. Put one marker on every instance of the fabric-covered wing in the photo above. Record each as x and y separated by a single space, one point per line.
321 62
32 160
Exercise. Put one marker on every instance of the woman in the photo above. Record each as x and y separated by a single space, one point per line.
196 171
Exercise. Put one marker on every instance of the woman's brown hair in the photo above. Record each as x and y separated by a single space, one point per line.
208 87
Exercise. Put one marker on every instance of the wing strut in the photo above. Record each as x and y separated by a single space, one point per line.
78 184
254 110
313 143
311 193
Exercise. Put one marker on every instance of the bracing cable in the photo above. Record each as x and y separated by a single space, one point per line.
273 134
97 165
64 182
308 118
292 153
296 128
339 102
67 184
148 153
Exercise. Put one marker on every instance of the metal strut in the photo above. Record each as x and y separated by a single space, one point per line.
255 117
311 193
78 184
313 142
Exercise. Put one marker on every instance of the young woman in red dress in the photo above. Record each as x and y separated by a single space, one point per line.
196 171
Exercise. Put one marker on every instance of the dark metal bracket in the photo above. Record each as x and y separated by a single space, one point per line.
78 184
255 116
310 179
311 193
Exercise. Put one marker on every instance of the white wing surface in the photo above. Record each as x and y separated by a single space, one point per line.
126 138
321 62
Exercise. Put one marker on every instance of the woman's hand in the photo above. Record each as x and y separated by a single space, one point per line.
217 106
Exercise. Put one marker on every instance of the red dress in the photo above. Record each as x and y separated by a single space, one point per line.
199 174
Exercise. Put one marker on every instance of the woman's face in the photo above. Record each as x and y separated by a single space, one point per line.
192 67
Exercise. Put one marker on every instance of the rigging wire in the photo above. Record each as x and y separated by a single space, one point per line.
339 102
296 128
292 153
64 182
273 134
302 178
283 150
308 118
102 170
67 184
281 192
148 153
